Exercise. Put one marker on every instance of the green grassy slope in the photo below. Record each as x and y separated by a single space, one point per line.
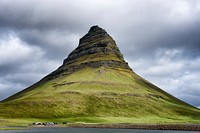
95 85
98 95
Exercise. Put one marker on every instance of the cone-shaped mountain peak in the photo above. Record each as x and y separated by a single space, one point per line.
96 49
95 31
95 84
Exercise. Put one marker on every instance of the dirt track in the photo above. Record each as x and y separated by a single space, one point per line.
186 127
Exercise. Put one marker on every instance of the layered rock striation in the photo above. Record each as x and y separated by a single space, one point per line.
96 49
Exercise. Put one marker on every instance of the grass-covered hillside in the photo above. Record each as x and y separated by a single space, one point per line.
99 95
95 85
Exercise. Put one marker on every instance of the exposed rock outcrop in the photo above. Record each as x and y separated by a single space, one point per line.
97 48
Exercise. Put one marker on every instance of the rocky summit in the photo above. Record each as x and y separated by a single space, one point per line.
96 85
97 48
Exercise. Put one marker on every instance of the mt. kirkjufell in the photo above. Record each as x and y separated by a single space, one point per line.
96 49
96 85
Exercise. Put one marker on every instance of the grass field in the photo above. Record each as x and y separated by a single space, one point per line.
26 122
107 95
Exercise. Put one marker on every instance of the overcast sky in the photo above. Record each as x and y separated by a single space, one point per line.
160 39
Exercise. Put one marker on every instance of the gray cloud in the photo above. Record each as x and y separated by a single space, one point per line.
158 38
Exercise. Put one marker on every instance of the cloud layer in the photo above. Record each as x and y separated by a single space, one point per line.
159 39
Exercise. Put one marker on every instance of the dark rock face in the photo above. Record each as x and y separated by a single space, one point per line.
96 49
95 32
95 41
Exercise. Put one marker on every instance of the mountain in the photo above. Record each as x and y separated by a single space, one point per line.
95 84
